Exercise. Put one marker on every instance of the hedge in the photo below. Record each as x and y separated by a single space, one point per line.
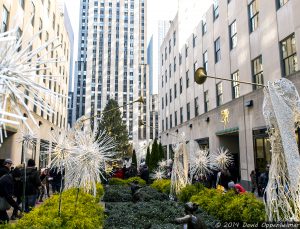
230 206
118 181
88 212
162 185
188 191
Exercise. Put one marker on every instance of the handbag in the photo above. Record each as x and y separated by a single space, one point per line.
4 205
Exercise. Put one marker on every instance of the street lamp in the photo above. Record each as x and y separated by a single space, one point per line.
200 77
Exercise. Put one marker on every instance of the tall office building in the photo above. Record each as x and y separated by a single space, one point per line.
112 62
253 41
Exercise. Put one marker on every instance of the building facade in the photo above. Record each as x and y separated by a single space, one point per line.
112 63
255 41
29 17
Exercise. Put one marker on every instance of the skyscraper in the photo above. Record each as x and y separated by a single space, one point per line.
112 62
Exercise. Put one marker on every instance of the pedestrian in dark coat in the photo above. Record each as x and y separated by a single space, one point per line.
7 192
5 168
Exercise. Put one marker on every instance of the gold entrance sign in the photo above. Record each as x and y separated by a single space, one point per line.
225 117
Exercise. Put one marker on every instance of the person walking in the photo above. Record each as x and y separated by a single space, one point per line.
253 181
33 183
18 191
6 167
6 194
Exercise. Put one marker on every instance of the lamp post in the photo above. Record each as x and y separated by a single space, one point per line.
200 77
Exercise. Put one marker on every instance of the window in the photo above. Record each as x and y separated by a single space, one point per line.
5 16
181 115
170 95
194 40
22 3
166 99
170 46
257 70
195 66
187 79
166 53
32 13
186 51
162 103
196 107
171 124
217 50
206 101
216 9
175 91
219 94
233 35
289 55
235 85
175 117
180 59
174 38
205 61
162 125
188 113
19 34
170 70
180 85
167 123
40 27
280 3
253 15
175 64
204 27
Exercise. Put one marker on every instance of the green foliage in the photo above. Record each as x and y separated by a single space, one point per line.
230 206
153 214
118 193
88 213
138 179
161 152
154 156
162 185
112 123
148 156
100 191
187 192
134 161
118 181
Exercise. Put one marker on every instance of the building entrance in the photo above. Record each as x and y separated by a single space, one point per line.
230 141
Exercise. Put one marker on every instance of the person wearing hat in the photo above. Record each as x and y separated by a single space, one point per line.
7 192
6 167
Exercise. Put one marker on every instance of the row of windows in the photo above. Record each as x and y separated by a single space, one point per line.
289 62
288 55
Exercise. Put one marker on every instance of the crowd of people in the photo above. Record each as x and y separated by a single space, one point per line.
23 187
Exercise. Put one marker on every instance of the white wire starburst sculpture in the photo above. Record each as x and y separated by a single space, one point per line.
222 159
158 174
200 163
19 80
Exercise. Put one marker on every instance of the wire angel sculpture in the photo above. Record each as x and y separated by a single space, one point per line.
199 161
281 109
19 85
180 169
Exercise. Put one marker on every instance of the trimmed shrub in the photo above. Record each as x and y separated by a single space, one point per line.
162 185
153 214
118 193
118 181
138 179
188 191
88 213
100 191
230 206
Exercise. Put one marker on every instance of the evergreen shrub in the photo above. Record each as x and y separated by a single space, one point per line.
162 185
